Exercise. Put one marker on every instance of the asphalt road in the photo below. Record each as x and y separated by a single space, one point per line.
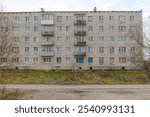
82 92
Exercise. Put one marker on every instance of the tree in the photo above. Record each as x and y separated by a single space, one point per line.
6 43
141 35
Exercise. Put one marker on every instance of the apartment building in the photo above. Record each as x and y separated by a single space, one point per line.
74 39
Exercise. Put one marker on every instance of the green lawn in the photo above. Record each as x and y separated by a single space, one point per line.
72 78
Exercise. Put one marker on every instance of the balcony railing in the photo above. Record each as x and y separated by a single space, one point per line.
47 53
79 54
47 22
80 22
47 33
80 43
50 43
80 33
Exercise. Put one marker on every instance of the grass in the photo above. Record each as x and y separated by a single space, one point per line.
72 78
10 95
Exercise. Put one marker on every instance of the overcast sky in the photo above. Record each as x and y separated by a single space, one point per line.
63 5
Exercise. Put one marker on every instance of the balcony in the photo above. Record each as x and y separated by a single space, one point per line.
80 33
48 33
80 43
48 43
47 53
80 22
47 22
79 54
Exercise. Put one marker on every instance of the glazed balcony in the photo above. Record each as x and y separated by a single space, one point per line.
80 43
47 53
80 33
48 33
80 22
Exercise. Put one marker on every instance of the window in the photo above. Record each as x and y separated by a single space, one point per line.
80 49
36 18
111 28
111 60
15 59
47 59
68 49
122 19
15 49
15 28
132 60
122 29
27 39
58 60
36 39
27 18
27 28
35 59
4 19
122 38
67 28
4 29
101 60
122 49
101 28
47 17
16 19
26 60
90 49
111 18
132 50
90 60
79 60
90 28
15 39
112 38
58 49
68 18
132 38
59 39
122 59
68 59
90 38
101 18
47 49
80 17
47 28
80 39
26 49
68 39
59 18
132 28
35 28
35 49
101 38
90 19
131 18
101 49
112 49
59 28
47 39
3 59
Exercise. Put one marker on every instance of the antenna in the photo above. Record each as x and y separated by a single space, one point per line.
95 9
42 10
